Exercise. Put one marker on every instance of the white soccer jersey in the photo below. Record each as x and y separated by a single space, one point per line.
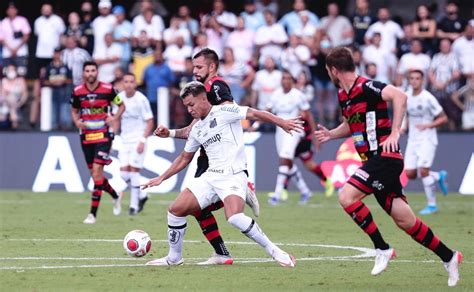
288 105
137 112
221 135
422 109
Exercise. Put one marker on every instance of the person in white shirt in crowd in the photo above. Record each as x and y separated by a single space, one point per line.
238 75
226 19
201 42
48 28
303 84
74 57
287 102
266 81
337 27
176 54
74 27
272 5
424 115
463 48
389 29
108 59
122 34
385 61
102 24
174 31
216 35
295 56
308 31
15 93
14 34
242 41
370 71
151 23
136 125
252 17
270 38
291 21
358 61
464 99
187 22
155 5
444 77
416 59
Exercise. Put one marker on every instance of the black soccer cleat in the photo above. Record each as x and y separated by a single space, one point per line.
132 212
141 204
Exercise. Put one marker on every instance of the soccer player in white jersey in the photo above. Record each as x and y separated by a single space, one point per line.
136 126
220 132
424 114
287 102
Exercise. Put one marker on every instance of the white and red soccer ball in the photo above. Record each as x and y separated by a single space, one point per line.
137 243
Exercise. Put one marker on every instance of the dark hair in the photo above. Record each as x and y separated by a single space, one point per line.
193 88
417 17
129 74
89 63
417 71
285 71
209 55
341 59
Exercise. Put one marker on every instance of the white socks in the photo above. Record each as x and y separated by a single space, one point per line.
283 174
435 175
251 229
300 182
176 231
135 189
429 186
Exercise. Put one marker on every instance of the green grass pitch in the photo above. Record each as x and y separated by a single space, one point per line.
45 247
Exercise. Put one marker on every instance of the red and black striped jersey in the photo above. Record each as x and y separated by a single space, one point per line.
367 115
218 91
94 106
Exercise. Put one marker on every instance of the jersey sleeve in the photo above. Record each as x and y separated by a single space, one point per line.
434 106
74 100
373 90
192 145
233 112
115 97
303 104
146 109
221 91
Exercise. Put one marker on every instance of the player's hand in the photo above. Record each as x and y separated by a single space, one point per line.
140 147
290 125
110 120
152 182
422 127
80 124
162 131
391 143
322 134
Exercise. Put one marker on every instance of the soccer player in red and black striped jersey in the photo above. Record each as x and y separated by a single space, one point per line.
206 64
364 108
91 105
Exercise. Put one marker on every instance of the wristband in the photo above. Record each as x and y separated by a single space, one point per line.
172 134
143 140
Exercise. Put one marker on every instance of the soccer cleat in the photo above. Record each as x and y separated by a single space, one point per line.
429 210
453 268
382 257
164 262
117 206
305 198
273 201
284 195
285 260
90 219
132 212
329 188
443 181
217 259
252 200
141 204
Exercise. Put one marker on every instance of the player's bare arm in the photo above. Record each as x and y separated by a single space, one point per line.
288 126
399 102
178 164
323 134
76 118
440 119
183 133
116 117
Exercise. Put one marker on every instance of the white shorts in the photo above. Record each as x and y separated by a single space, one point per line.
286 144
210 187
468 120
419 154
128 155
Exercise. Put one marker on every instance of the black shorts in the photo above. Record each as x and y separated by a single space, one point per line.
380 176
303 150
97 153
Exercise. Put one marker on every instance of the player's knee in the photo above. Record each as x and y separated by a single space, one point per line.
176 210
345 199
424 172
411 174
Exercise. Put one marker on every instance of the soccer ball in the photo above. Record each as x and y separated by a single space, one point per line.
137 243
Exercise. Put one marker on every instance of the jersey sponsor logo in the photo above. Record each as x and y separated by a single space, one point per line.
94 124
358 139
362 174
371 123
94 136
370 85
230 109
212 140
355 118
213 123
92 110
213 170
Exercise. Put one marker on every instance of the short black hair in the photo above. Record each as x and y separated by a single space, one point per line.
129 74
89 63
417 71
209 55
341 59
193 88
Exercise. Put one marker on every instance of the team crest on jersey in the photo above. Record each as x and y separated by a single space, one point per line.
213 123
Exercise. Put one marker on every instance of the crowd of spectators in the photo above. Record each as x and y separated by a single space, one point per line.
254 46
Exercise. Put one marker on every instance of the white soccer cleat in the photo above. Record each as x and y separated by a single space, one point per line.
217 259
284 259
164 262
118 205
382 257
252 200
453 268
90 219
